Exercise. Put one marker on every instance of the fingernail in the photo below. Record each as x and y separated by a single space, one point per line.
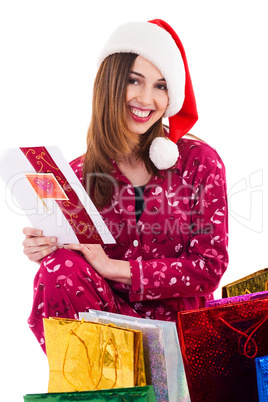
53 248
38 233
53 240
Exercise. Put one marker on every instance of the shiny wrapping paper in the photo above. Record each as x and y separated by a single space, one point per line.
236 299
162 356
137 394
253 283
219 346
85 356
262 377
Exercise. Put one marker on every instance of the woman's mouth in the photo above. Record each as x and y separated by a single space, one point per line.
140 115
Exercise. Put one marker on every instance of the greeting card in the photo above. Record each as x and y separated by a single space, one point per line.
41 185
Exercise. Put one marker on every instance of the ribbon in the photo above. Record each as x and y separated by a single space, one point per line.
247 348
72 209
136 355
116 355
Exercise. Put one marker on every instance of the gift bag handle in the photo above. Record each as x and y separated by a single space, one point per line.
88 359
136 355
116 355
249 337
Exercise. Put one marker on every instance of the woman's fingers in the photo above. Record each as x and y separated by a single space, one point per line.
90 251
39 241
36 246
32 232
95 255
38 255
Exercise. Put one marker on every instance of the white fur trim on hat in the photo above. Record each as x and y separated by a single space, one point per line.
156 45
163 153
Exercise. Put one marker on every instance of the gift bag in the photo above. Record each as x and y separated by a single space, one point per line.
162 356
135 394
262 377
86 356
219 346
253 283
236 299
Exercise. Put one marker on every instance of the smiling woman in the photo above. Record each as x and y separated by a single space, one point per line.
146 96
162 196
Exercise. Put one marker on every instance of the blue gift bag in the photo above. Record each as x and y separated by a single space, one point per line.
262 377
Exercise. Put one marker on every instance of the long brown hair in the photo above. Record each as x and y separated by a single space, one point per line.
108 136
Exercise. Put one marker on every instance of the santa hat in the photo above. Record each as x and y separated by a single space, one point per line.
157 42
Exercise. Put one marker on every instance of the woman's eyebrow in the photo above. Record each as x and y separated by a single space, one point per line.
140 75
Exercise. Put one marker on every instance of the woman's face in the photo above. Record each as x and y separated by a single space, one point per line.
146 96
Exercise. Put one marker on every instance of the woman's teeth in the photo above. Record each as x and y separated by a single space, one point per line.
139 113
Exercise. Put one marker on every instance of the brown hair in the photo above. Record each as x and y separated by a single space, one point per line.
108 135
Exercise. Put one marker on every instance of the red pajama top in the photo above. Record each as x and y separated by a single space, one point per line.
178 248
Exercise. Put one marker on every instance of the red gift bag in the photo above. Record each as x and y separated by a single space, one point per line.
219 345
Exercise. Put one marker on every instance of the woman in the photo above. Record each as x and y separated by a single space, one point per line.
163 197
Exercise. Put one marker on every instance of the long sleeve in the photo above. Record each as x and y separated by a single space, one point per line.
178 249
200 211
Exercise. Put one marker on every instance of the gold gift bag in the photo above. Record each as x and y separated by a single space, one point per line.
85 356
253 283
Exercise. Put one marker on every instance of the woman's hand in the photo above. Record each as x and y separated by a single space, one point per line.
36 246
108 268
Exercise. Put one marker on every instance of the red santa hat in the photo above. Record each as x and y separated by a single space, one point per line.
157 42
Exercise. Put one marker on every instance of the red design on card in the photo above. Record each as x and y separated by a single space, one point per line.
46 186
71 206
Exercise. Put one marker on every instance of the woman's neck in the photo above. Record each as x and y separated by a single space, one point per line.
134 169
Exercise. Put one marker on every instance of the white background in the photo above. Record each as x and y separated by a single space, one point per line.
48 52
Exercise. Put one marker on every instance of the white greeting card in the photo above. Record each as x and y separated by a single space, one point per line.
44 197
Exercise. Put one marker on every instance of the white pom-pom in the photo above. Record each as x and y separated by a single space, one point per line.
163 153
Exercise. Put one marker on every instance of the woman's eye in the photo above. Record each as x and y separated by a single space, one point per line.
133 81
163 87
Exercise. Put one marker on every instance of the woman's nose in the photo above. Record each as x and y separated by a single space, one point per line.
145 96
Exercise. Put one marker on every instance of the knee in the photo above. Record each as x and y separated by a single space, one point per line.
61 262
67 270
61 258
